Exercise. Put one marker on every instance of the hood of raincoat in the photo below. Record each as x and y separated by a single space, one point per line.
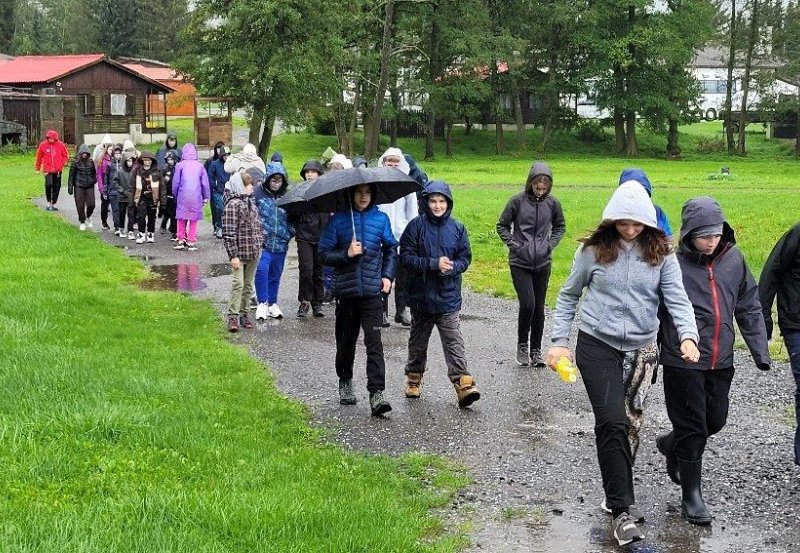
82 149
395 152
215 155
539 168
313 165
274 168
638 175
630 201
188 152
341 159
438 187
125 157
172 154
51 134
277 156
173 136
150 156
235 184
107 140
701 212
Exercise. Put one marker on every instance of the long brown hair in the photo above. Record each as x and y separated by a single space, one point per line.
605 239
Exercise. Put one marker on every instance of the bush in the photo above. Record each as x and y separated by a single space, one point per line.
324 126
710 145
591 131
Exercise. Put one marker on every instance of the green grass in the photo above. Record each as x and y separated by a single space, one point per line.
129 423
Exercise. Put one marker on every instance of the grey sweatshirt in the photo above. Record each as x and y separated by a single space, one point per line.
620 306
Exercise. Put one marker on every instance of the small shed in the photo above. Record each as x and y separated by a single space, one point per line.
213 121
107 96
181 101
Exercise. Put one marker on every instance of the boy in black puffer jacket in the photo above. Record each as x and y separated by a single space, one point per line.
170 204
82 179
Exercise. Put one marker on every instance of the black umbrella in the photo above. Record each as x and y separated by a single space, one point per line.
294 200
330 192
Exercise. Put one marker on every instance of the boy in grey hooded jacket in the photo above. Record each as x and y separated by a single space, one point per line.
620 270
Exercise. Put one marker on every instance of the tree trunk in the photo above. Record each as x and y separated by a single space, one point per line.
467 125
266 136
673 149
499 142
254 130
394 94
340 123
433 76
619 130
430 134
351 132
748 63
522 143
372 134
797 127
448 140
729 82
630 131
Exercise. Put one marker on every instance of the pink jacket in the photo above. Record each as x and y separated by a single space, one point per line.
190 185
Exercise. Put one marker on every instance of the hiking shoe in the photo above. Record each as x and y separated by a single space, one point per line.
274 311
141 238
666 446
378 405
626 529
233 324
346 395
633 510
302 311
316 308
245 322
262 312
536 358
403 317
413 384
82 226
385 323
466 391
191 247
181 245
150 238
130 235
523 357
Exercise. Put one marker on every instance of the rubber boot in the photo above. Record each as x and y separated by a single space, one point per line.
666 446
413 384
466 391
693 508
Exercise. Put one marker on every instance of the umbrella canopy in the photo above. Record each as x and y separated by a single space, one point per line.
330 192
294 200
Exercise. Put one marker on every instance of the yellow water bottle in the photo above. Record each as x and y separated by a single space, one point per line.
566 370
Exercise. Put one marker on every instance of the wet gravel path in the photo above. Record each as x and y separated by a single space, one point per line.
529 442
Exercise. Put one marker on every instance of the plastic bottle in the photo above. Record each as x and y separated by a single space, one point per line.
567 370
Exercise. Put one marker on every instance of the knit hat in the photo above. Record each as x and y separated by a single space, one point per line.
630 201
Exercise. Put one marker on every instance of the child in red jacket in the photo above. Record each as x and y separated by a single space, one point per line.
51 157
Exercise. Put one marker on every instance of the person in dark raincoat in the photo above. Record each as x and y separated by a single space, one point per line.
721 289
81 182
171 143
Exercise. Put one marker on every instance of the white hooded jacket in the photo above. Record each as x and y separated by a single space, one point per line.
244 160
407 207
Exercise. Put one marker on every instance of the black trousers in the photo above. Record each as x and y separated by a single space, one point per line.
122 211
531 288
353 314
146 214
310 285
697 406
114 200
169 215
601 372
131 216
105 203
52 186
84 202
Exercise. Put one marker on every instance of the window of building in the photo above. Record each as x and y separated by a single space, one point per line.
118 104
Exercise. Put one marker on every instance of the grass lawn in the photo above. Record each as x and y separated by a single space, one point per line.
120 432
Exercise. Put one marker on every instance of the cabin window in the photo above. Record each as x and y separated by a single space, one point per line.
118 104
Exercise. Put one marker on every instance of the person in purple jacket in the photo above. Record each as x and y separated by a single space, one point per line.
191 189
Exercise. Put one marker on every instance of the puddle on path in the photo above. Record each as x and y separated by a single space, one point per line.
184 277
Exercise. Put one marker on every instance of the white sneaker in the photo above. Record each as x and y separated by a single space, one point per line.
131 236
89 223
262 312
141 238
275 311
150 237
82 226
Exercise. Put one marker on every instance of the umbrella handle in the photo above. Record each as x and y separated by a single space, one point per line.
353 223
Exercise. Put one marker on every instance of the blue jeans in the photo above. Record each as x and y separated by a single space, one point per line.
268 276
217 207
792 340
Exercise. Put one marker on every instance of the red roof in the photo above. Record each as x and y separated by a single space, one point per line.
155 73
43 69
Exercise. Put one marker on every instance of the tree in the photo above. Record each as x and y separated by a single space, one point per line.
118 26
372 130
7 19
276 59
752 39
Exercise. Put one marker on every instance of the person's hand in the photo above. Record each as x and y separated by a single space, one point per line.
445 264
235 263
555 353
38 172
355 249
689 351
386 285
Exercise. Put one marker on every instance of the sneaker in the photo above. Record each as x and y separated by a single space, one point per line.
523 357
274 311
53 208
245 322
346 395
466 391
218 233
262 312
413 385
536 358
48 208
191 247
150 237
302 311
233 324
141 238
116 232
378 405
403 317
105 226
626 530
633 510
89 223
385 323
163 230
82 226
173 238
316 309
130 235
179 246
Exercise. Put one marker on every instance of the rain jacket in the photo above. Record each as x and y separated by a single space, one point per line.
217 176
274 221
407 207
111 170
82 172
161 154
122 180
102 171
51 158
359 276
241 227
244 160
425 240
190 185
416 173
214 155
148 182
639 176
532 227
309 226
720 288
100 150
781 276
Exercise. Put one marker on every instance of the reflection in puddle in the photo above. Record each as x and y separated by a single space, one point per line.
184 277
